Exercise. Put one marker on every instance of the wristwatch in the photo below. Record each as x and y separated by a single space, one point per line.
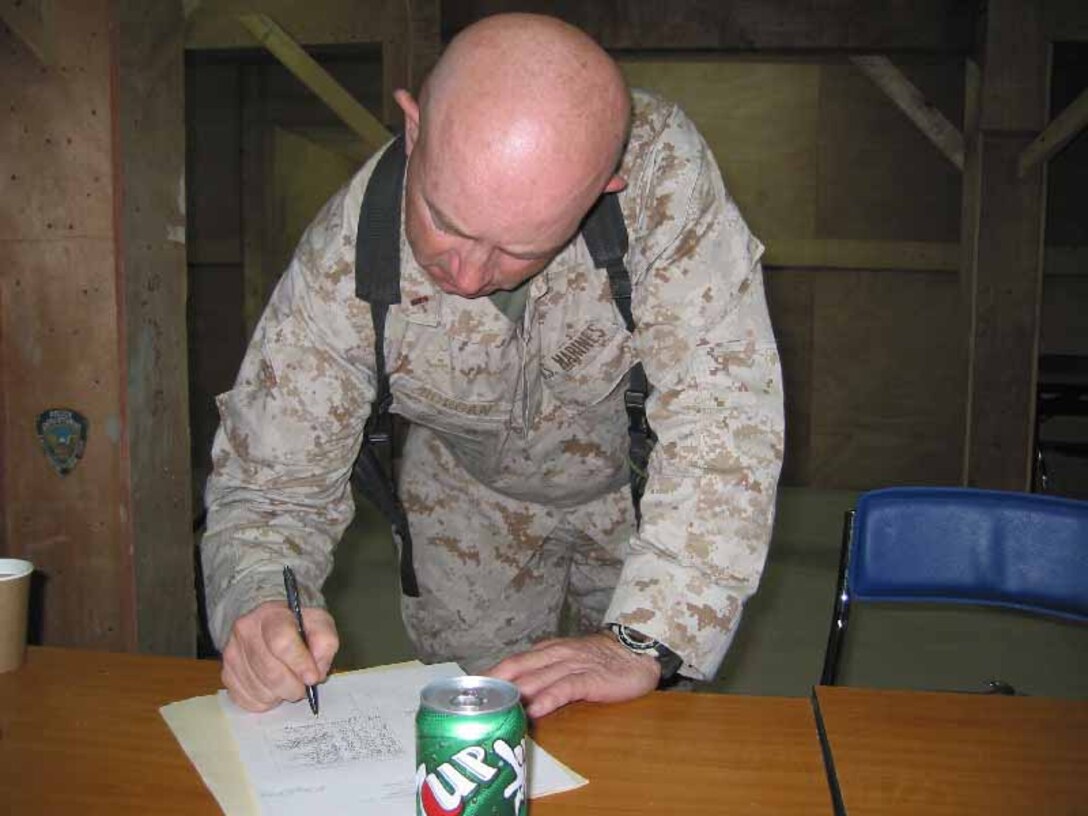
634 641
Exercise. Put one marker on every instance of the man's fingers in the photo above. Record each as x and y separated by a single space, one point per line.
285 648
566 688
545 679
267 676
267 659
536 683
245 693
561 671
540 656
322 637
540 667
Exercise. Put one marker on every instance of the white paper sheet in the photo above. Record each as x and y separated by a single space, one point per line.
357 757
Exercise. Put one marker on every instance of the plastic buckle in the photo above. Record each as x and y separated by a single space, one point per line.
635 403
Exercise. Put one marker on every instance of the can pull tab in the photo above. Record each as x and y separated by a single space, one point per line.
468 699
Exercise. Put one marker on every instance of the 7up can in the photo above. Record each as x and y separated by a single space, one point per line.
470 749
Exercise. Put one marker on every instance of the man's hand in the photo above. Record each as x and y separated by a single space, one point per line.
595 668
265 661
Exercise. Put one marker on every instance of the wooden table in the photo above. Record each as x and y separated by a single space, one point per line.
688 753
80 733
898 752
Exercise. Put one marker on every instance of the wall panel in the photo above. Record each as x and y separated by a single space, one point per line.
888 381
60 341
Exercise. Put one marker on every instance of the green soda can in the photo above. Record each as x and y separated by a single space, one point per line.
470 749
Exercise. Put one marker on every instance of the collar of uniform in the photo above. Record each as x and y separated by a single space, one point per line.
540 285
420 299
559 268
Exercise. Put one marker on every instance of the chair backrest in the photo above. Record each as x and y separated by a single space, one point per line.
965 546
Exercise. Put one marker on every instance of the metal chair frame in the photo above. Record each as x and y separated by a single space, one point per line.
840 616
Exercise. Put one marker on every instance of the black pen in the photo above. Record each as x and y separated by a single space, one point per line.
293 602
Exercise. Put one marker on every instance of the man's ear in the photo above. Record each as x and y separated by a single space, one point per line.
411 118
615 184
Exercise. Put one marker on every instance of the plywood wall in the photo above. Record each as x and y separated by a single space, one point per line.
60 344
860 215
408 33
823 166
264 154
92 293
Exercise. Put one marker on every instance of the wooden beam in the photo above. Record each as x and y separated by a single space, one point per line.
913 103
858 26
32 21
317 79
1058 133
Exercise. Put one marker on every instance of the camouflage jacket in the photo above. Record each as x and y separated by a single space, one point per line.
533 407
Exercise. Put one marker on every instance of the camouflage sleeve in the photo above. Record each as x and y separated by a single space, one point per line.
705 339
290 428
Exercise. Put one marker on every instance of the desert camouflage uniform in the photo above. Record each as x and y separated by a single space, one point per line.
514 474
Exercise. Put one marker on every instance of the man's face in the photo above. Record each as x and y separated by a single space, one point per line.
472 241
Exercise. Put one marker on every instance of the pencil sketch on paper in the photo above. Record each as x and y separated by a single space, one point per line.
326 743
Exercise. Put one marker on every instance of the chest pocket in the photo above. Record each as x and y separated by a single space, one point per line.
587 364
465 394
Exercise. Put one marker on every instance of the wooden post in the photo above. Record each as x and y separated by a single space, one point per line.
1003 230
152 285
255 280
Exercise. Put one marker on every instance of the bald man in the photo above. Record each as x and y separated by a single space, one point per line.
510 359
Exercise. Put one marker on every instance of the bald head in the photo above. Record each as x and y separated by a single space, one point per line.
519 129
520 89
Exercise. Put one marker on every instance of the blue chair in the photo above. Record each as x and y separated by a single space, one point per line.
961 546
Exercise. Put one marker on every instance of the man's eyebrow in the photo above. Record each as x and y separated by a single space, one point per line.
536 255
446 221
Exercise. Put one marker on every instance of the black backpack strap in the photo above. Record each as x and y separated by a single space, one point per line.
605 235
377 281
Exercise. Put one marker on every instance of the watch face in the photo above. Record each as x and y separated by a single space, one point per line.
635 640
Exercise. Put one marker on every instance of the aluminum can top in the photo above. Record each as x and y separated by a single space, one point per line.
469 695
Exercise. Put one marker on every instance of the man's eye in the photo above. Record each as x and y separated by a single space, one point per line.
525 258
439 224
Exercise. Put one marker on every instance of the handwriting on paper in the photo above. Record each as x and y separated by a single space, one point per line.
325 743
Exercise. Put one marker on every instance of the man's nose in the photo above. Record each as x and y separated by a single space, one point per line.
472 271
